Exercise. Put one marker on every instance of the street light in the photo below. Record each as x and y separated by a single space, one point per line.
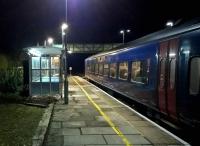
63 28
169 24
50 41
123 32
64 46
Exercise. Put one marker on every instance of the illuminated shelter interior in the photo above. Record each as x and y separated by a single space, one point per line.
44 71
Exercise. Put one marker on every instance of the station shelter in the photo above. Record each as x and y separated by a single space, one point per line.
45 69
47 64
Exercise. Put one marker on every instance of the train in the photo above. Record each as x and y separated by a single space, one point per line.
160 71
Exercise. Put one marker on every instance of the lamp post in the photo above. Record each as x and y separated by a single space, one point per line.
64 46
123 33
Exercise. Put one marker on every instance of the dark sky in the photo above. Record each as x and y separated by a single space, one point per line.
24 23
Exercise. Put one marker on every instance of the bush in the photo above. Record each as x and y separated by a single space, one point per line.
11 82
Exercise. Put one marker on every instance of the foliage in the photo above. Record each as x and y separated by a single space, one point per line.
3 62
10 80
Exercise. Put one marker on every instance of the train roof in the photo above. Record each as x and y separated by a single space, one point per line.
159 35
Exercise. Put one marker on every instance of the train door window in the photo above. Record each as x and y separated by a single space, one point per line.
172 73
123 70
101 69
105 69
96 68
139 72
113 70
162 73
195 76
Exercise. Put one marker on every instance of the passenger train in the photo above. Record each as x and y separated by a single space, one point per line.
160 71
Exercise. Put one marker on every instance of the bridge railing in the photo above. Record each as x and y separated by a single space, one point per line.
88 48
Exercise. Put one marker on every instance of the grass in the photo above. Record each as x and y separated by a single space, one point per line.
18 124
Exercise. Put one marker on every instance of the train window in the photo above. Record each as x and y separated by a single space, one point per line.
172 73
195 76
87 68
96 68
101 69
139 72
123 70
93 68
113 70
105 69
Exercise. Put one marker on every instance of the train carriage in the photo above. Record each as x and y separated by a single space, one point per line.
160 71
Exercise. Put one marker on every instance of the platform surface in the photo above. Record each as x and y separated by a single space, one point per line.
93 118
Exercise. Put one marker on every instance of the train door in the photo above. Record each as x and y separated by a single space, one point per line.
171 85
162 92
167 77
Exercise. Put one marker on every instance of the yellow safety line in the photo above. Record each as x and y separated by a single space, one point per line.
115 128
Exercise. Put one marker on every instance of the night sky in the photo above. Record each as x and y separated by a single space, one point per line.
25 23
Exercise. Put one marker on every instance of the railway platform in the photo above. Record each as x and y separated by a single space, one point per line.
94 118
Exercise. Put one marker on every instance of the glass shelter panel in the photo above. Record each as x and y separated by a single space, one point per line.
45 75
35 75
55 62
35 62
54 75
45 62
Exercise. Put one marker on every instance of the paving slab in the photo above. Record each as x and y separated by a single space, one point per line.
55 131
73 124
129 130
71 131
56 124
84 139
133 139
97 124
97 130
54 141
